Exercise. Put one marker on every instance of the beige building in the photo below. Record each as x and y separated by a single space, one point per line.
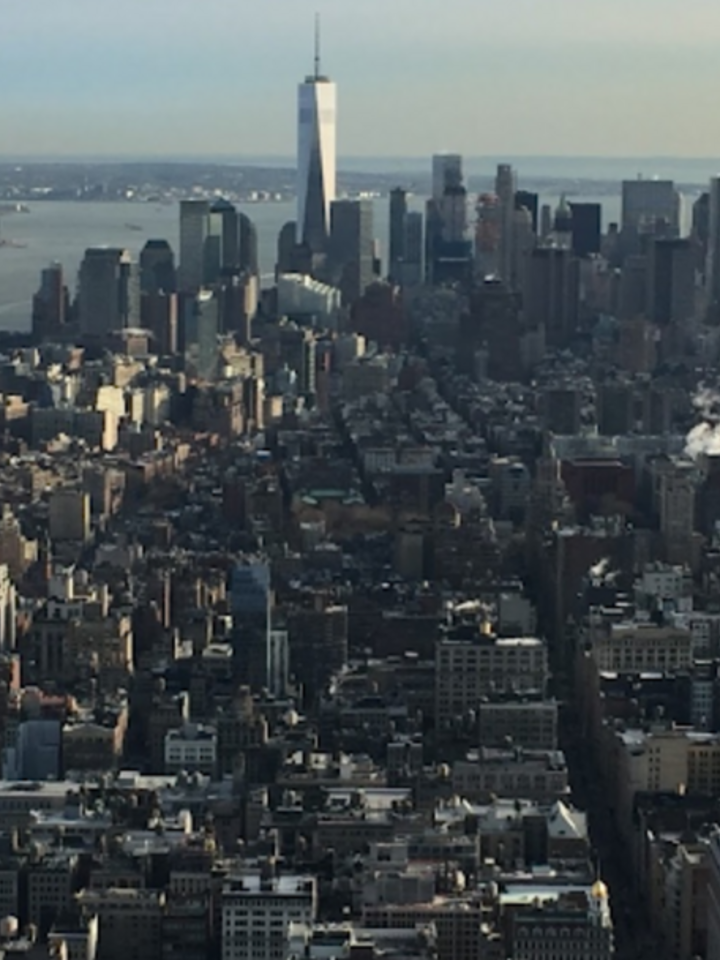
638 646
535 775
466 671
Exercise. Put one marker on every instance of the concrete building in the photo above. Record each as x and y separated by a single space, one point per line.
257 909
69 517
299 294
468 670
129 922
192 747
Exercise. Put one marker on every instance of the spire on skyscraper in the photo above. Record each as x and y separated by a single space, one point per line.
317 46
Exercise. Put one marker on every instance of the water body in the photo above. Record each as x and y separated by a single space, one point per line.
61 231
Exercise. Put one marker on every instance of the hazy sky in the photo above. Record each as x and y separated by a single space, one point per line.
617 77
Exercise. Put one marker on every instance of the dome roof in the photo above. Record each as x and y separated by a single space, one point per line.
599 891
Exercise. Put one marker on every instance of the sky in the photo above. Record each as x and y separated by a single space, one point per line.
482 77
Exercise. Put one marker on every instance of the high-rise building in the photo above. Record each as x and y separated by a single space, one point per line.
251 605
670 289
200 323
316 161
248 261
350 250
447 171
529 200
713 257
552 293
398 214
222 252
505 190
413 265
157 268
108 291
586 228
649 207
487 236
194 229
50 302
159 315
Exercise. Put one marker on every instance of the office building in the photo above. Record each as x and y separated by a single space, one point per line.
108 292
157 268
192 747
258 908
649 207
316 160
712 279
194 229
159 315
486 666
50 303
398 215
488 225
222 247
200 329
505 189
530 201
69 517
552 293
251 605
670 286
248 261
350 250
586 228
412 272
447 172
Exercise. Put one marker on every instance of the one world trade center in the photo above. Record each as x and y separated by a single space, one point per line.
316 161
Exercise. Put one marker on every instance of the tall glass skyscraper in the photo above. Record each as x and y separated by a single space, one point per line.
317 110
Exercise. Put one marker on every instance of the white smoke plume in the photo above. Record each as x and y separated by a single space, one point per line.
600 568
704 438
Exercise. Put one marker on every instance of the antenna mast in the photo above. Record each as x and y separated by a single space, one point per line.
317 46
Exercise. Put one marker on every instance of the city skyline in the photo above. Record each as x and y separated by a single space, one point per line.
76 89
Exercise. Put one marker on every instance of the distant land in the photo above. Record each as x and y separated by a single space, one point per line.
686 170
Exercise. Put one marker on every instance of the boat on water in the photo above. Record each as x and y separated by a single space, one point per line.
133 226
11 245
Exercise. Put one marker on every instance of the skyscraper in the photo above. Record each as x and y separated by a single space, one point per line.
398 213
194 229
586 228
713 243
316 161
412 266
222 253
670 289
248 245
552 293
108 291
448 253
648 207
505 188
251 605
50 302
351 246
447 171
157 268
